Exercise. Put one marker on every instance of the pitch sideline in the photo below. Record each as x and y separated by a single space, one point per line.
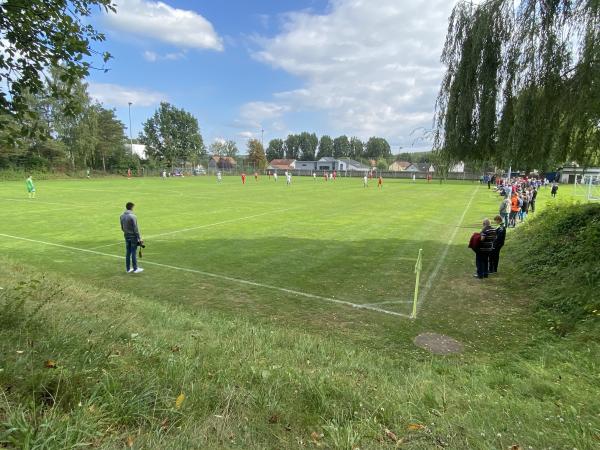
217 276
444 254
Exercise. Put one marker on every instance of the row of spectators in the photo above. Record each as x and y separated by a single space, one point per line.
519 197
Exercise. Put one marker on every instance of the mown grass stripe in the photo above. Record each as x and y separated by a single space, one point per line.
218 276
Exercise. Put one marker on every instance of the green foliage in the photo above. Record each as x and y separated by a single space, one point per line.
357 148
325 147
172 136
36 35
224 148
292 146
377 148
256 154
341 146
65 133
308 143
559 252
275 150
519 83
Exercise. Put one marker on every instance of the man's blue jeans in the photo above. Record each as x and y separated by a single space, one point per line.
505 218
131 244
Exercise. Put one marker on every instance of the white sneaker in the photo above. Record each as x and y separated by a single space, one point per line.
138 270
129 271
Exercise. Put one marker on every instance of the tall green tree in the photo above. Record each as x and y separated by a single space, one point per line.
357 148
308 143
172 136
377 148
111 143
325 146
292 146
38 34
256 154
275 150
341 146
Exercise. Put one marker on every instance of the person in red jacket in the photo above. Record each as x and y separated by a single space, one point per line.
243 178
380 182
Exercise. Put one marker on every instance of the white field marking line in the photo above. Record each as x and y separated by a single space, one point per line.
217 276
442 258
36 201
391 302
208 225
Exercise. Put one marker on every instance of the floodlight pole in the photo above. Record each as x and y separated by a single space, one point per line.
130 132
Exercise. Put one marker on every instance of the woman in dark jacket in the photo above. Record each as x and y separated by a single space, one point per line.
498 244
486 245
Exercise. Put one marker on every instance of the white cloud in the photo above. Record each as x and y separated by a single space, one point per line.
116 95
161 22
151 56
255 114
246 134
373 68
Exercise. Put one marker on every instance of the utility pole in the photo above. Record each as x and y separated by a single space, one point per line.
262 137
130 132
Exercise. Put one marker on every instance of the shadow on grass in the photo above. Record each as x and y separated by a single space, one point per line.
367 271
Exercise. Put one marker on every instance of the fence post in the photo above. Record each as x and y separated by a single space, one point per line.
418 267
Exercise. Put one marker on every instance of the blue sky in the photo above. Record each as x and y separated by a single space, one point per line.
355 67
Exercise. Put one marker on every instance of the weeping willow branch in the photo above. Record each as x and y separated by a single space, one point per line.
521 84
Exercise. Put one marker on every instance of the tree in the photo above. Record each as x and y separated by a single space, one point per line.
357 148
308 143
341 146
378 148
275 150
38 34
230 149
172 135
111 140
325 146
256 154
292 146
520 82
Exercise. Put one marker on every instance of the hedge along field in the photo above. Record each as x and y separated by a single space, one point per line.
105 359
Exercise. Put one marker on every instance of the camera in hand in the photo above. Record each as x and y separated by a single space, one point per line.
141 244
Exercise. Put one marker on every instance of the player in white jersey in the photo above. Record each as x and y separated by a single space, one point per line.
365 181
288 178
275 176
219 177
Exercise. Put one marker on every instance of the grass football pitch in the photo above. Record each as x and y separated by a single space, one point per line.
252 305
261 248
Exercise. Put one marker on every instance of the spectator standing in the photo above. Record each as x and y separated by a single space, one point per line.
533 198
486 245
514 210
498 244
505 210
131 232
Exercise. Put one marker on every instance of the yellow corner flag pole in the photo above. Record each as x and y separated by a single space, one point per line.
418 267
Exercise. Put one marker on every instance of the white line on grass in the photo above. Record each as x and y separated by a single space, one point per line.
391 302
208 225
217 276
442 257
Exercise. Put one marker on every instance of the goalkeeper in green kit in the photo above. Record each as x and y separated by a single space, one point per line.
30 187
